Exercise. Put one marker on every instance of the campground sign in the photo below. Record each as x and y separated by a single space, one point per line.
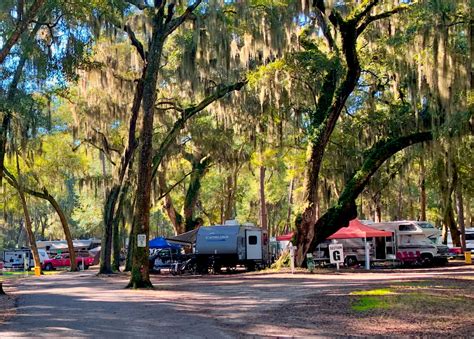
336 255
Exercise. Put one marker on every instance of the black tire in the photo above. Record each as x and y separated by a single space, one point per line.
426 260
86 267
48 267
350 261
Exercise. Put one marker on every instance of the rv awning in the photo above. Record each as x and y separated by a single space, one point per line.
187 238
358 230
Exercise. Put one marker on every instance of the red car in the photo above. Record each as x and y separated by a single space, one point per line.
62 260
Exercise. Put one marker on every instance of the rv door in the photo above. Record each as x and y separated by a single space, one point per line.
253 242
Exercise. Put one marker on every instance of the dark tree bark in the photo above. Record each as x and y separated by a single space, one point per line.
199 165
460 211
175 217
448 176
422 189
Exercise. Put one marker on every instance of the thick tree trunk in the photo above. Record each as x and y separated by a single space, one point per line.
109 217
115 196
175 217
29 231
447 174
199 168
422 215
460 210
263 203
228 203
290 206
140 277
65 225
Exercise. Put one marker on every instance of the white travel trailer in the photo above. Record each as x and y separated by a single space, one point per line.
413 242
230 245
15 258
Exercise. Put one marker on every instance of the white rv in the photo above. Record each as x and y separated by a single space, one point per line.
230 245
15 258
413 242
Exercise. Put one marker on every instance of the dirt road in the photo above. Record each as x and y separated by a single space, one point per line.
84 305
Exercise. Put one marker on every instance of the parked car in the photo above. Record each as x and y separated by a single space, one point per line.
62 260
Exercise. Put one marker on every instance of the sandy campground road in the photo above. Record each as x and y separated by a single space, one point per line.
84 305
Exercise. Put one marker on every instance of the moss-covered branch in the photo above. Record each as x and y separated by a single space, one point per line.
187 114
345 210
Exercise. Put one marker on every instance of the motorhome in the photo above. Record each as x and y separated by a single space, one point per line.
15 258
230 245
413 242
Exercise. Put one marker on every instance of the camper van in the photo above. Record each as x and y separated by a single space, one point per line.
15 258
230 245
413 242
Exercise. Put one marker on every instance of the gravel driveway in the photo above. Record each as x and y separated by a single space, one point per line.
84 305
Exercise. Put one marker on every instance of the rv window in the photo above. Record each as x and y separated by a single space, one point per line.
406 227
389 250
469 236
253 240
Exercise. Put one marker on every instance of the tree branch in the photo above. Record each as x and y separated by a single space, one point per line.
186 115
361 12
135 42
371 18
175 23
20 28
345 209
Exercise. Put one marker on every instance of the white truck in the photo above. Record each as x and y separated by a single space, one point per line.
414 242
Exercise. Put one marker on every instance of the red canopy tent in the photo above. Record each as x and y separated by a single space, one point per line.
285 237
356 229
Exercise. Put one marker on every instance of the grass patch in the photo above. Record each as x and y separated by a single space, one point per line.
368 303
21 274
380 291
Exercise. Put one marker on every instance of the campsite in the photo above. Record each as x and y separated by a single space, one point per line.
224 168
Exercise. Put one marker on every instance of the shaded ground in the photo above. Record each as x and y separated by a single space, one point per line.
399 302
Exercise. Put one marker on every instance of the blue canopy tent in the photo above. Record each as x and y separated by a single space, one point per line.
160 242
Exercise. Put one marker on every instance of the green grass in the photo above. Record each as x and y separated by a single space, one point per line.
408 297
367 303
371 299
21 274
380 291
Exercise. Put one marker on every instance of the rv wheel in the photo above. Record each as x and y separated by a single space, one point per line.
350 261
426 259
